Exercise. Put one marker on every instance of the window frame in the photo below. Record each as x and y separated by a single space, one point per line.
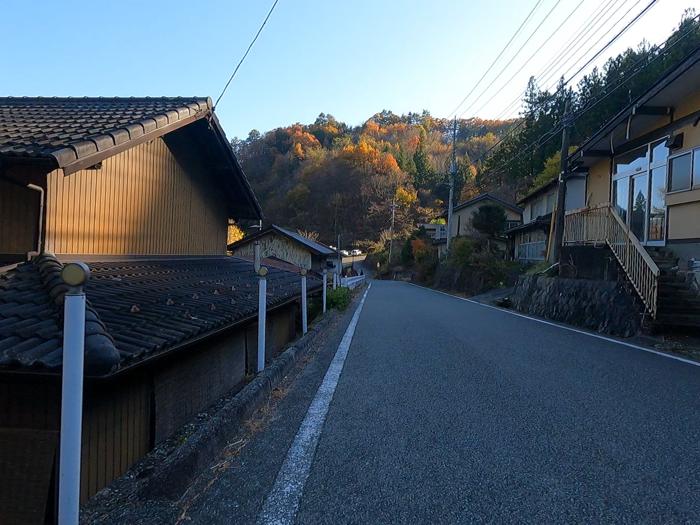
670 160
694 177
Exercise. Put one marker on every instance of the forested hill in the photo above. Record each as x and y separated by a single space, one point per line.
328 177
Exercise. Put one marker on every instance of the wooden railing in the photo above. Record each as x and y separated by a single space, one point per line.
602 225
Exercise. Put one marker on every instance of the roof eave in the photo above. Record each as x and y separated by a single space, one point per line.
250 195
93 150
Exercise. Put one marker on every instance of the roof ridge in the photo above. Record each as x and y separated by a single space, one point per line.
101 354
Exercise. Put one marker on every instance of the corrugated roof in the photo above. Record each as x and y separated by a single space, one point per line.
137 309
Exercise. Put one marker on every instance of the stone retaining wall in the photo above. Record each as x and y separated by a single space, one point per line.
603 306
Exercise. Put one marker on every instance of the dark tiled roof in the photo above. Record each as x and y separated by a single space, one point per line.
136 309
67 129
542 222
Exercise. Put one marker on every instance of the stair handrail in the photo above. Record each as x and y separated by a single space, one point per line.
602 223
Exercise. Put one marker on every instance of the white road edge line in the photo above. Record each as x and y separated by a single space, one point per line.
563 327
282 502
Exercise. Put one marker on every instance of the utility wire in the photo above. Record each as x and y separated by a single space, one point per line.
246 52
618 35
513 57
548 70
551 96
546 40
553 84
546 137
517 32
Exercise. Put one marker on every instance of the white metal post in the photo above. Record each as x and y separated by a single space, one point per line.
325 284
304 320
75 275
256 256
262 316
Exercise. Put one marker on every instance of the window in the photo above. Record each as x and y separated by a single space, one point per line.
635 160
551 198
679 172
696 167
659 152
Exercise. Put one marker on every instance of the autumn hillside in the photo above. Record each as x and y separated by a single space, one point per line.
329 177
332 178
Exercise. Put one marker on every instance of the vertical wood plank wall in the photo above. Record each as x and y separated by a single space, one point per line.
116 432
140 202
19 217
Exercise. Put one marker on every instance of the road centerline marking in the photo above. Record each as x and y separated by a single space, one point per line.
281 505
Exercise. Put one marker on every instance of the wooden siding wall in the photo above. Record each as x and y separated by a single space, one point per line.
116 431
29 423
196 380
140 202
19 218
122 419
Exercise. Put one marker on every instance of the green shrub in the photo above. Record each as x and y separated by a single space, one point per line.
338 298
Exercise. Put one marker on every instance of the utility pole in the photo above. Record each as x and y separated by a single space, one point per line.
453 173
340 262
560 211
391 230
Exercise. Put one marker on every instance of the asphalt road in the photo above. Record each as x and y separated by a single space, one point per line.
451 412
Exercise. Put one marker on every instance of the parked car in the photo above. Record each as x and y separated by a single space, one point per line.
356 252
344 253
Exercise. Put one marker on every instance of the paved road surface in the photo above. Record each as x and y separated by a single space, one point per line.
451 412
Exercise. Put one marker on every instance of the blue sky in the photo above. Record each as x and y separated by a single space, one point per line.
347 58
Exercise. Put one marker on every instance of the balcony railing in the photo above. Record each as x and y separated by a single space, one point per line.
602 225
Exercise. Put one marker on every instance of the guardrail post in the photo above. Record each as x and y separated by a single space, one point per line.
262 316
75 275
304 323
325 285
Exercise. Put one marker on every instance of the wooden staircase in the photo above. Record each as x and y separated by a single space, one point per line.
678 304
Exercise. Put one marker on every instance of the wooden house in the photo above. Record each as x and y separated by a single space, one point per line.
141 189
462 214
288 246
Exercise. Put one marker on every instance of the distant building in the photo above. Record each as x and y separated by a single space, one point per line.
288 246
530 239
462 214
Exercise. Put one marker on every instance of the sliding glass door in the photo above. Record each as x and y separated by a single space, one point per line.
639 191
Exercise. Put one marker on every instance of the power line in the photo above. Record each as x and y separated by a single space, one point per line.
548 98
583 55
517 32
578 36
530 57
546 137
246 52
513 57
618 35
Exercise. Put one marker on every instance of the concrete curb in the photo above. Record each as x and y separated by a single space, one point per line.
167 471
